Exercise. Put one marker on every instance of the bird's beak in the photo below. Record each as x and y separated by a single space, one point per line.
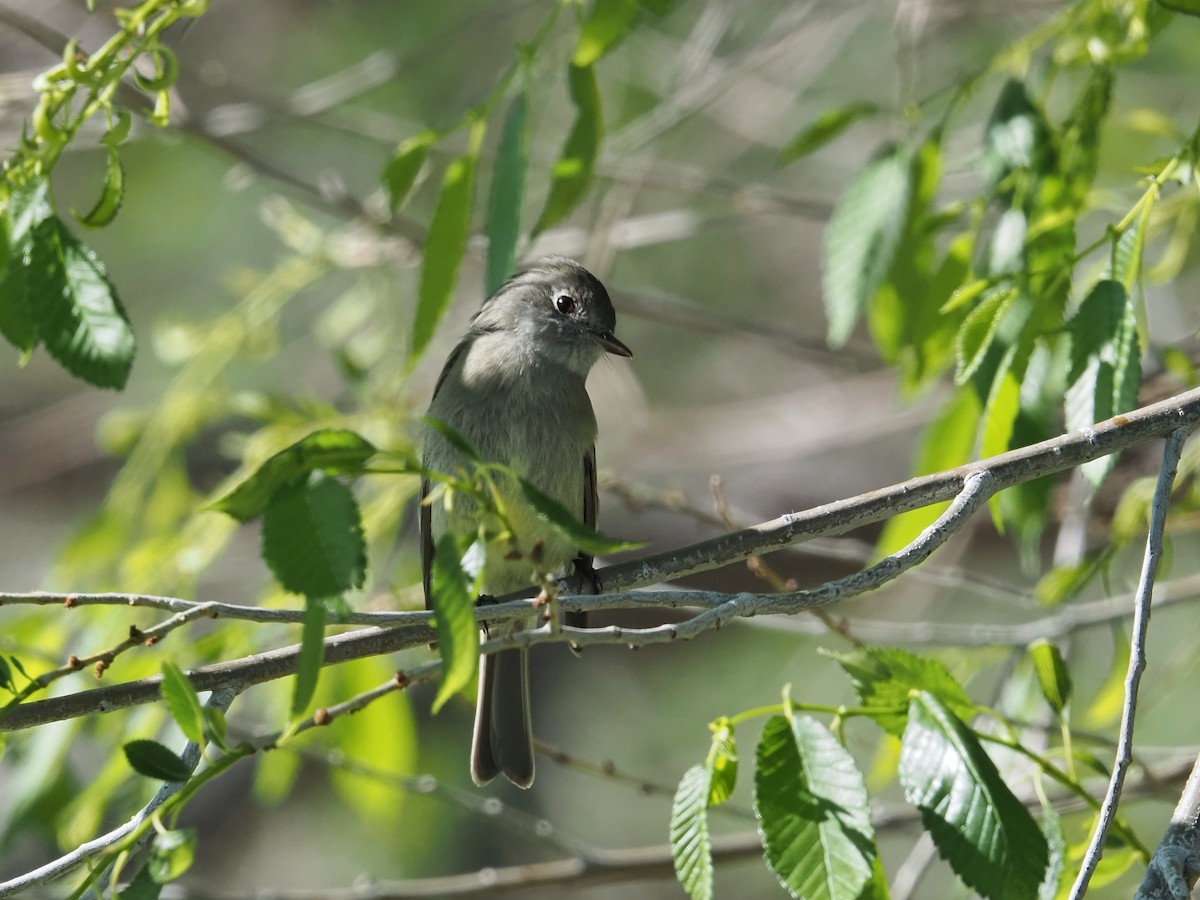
609 342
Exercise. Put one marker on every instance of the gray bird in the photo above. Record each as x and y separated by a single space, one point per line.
514 388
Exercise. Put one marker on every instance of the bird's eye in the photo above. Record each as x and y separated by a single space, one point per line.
565 304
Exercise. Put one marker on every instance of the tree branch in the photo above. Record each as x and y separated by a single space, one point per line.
1137 658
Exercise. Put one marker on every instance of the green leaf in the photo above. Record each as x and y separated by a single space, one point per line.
586 539
658 7
332 450
885 678
456 440
978 826
507 194
1056 844
1000 411
608 23
78 314
861 239
171 854
215 727
813 810
572 172
691 845
1052 674
446 244
183 702
152 759
1187 7
6 679
1017 136
402 169
722 764
824 129
312 537
979 329
143 887
27 207
312 655
454 619
111 197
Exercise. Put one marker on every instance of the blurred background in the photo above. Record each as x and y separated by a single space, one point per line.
284 116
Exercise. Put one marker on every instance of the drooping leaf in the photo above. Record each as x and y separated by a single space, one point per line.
1056 844
312 537
722 764
171 854
312 655
454 619
78 315
885 677
111 196
152 759
861 239
507 194
979 329
402 169
143 887
977 824
586 539
1052 674
333 450
813 810
604 28
691 845
183 702
215 727
827 126
572 172
446 244
1016 136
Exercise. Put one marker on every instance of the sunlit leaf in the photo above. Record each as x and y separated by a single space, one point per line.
978 826
446 244
861 239
183 702
454 619
312 537
813 810
691 845
824 129
1017 136
1052 674
332 450
608 23
722 763
402 169
572 172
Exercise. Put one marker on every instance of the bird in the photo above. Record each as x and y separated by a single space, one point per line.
514 388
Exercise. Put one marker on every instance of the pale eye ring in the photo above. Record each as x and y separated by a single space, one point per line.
565 304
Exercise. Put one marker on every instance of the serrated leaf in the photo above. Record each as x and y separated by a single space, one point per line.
586 539
312 656
1016 136
572 172
978 331
76 310
401 171
183 702
507 194
813 811
861 239
1052 674
332 450
312 537
691 845
171 854
446 244
152 759
454 619
1000 411
722 764
885 678
964 294
604 28
824 128
111 195
978 826
26 207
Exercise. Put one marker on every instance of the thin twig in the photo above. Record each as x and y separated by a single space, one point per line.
1137 658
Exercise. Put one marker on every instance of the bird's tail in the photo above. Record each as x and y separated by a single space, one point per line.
503 742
